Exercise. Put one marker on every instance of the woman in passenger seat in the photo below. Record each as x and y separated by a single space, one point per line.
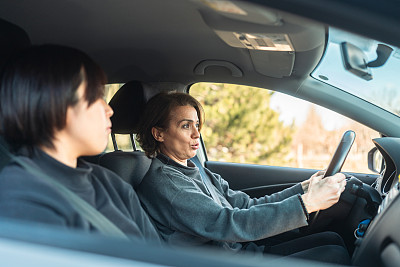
52 112
187 211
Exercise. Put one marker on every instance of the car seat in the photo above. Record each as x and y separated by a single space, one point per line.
128 105
13 39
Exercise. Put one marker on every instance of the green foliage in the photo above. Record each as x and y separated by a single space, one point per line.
240 126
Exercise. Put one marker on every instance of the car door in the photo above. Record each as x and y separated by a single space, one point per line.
258 180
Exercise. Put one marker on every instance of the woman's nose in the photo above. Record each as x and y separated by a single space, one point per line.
109 110
195 133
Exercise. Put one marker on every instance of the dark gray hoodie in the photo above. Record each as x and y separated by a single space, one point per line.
27 197
185 213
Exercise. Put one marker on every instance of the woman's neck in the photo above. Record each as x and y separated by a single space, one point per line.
62 153
61 156
182 162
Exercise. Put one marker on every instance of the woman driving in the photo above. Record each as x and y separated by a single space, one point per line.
187 211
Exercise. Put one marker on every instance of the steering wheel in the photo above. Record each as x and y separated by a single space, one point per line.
338 159
341 153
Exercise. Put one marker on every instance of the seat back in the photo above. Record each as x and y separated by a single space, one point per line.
13 39
128 105
131 166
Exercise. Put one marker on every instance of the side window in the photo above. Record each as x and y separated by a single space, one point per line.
123 140
252 125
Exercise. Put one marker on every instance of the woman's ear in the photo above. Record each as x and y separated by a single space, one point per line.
157 134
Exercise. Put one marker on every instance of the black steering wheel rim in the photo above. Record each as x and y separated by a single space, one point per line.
337 160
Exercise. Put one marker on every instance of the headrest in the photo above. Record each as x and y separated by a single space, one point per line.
128 104
13 39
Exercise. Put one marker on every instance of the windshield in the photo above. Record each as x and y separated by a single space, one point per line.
376 84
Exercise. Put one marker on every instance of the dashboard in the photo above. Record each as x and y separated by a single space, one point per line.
381 244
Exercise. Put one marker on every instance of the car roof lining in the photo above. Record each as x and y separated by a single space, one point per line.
126 48
140 56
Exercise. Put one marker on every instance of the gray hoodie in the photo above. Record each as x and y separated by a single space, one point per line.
185 213
27 197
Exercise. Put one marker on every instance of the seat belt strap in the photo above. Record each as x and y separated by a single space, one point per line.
206 180
98 220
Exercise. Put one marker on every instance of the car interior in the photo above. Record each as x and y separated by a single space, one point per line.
157 45
128 104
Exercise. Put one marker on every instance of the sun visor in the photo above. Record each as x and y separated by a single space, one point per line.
244 11
272 38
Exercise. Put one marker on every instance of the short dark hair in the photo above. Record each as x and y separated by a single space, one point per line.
37 86
157 114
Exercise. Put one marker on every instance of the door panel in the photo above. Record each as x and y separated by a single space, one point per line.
259 180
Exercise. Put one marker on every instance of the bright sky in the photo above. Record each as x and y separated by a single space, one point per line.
382 90
292 108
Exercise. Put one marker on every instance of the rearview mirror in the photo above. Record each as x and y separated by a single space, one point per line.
355 61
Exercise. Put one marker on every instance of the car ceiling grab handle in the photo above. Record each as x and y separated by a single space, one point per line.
201 67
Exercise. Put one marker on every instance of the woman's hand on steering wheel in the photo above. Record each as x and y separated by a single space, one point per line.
323 193
305 184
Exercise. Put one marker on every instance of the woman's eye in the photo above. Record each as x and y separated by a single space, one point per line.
186 126
197 126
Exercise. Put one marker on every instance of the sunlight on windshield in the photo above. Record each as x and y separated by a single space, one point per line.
383 90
